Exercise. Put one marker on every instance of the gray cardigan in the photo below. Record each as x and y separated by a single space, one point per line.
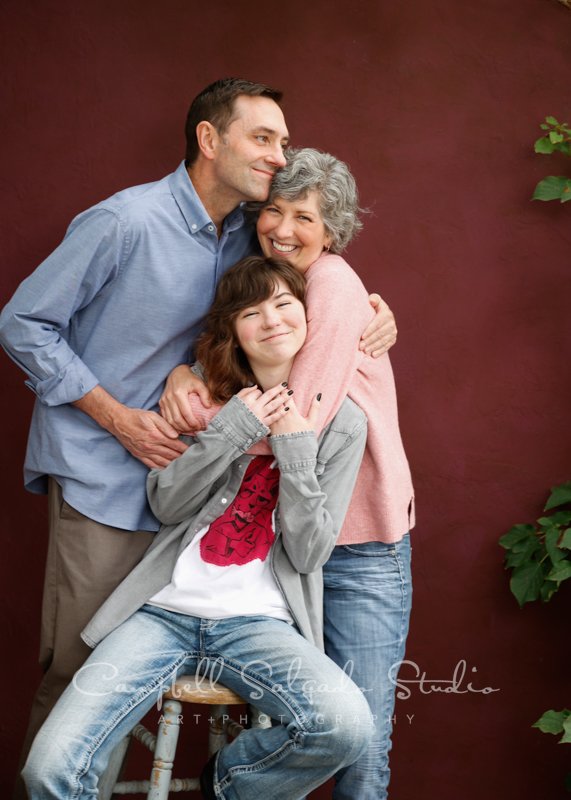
316 483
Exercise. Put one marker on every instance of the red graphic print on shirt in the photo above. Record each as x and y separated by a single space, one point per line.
244 532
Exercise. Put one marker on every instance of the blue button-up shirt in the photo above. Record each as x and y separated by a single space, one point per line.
119 303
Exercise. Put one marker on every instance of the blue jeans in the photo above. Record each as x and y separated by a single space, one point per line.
367 603
325 721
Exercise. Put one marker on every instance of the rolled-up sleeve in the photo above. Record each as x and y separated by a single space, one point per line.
36 325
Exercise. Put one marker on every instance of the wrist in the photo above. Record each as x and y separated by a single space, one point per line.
103 408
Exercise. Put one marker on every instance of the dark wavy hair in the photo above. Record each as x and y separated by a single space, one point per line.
215 104
247 283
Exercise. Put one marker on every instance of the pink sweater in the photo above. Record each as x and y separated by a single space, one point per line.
330 362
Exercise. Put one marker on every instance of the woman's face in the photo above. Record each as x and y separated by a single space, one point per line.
271 332
293 230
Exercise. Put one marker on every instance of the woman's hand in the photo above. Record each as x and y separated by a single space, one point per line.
381 333
268 406
174 403
293 422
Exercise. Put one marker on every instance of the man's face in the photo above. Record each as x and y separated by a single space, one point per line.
250 151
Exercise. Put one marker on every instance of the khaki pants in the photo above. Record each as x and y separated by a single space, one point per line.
86 562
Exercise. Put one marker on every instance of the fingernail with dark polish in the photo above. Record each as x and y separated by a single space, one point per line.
286 408
319 397
290 391
284 383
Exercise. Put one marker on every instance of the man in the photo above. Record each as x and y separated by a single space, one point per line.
99 325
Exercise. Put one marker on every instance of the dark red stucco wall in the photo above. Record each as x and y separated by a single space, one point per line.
435 104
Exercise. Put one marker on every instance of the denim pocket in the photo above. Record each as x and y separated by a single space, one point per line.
370 549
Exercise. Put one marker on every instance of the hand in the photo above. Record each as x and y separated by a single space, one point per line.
174 403
293 421
267 406
381 333
147 436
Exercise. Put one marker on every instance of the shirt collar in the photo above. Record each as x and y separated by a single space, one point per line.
191 207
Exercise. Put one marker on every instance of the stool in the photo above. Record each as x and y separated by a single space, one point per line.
186 689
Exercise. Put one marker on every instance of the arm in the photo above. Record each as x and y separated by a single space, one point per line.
337 313
34 324
182 488
313 506
146 435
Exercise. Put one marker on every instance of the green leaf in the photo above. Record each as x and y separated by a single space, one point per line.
551 545
555 137
543 145
566 738
558 519
551 121
559 496
566 195
560 572
526 582
552 188
548 589
523 552
544 127
566 540
516 534
552 721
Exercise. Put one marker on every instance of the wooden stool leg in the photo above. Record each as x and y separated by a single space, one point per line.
216 732
167 738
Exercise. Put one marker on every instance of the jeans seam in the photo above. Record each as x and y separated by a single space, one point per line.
239 669
112 724
267 761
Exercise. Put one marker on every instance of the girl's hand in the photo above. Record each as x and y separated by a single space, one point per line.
293 422
268 406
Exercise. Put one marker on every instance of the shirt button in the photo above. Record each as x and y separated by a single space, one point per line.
224 501
211 227
193 227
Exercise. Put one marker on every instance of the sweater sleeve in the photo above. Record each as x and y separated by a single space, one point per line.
338 311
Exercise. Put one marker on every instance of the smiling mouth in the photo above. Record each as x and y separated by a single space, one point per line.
267 172
283 248
276 336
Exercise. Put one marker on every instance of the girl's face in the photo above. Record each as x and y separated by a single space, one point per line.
271 332
293 230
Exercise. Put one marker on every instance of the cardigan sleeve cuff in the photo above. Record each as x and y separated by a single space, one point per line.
239 425
295 451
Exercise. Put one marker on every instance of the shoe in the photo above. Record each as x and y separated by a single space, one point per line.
207 779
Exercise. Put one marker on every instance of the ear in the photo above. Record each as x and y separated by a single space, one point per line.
207 138
327 242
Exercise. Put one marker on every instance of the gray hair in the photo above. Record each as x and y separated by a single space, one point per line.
309 170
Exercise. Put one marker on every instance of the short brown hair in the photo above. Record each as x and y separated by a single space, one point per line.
215 104
247 283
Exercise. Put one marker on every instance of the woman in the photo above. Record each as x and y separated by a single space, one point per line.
232 583
311 216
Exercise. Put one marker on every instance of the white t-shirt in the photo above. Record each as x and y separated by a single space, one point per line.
226 570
